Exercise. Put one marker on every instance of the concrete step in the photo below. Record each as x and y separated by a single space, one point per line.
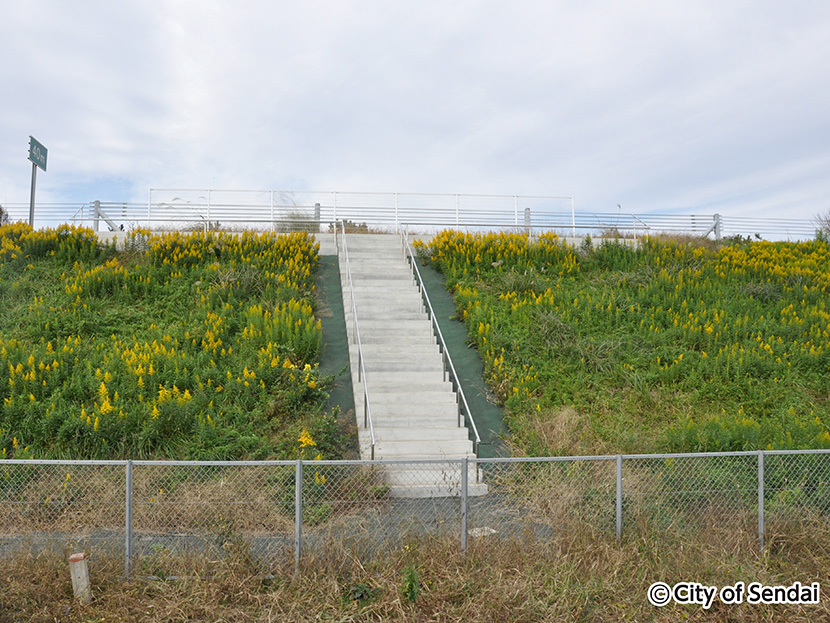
431 479
366 287
373 350
419 433
386 377
395 363
414 421
375 315
402 379
377 337
387 392
447 412
410 398
380 336
385 448
383 297
402 325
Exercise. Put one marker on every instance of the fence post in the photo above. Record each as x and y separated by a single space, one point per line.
619 496
761 526
128 520
716 226
465 465
298 515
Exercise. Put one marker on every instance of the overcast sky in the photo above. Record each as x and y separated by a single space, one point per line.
695 107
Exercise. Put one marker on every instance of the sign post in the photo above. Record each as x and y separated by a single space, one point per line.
37 154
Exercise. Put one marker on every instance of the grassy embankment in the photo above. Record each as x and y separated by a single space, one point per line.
579 371
675 346
199 346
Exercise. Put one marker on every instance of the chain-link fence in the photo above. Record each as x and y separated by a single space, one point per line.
169 518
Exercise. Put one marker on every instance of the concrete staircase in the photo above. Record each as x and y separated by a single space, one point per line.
414 410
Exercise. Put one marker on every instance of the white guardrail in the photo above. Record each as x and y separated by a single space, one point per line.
316 211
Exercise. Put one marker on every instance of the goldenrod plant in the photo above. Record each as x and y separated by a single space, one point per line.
200 346
675 344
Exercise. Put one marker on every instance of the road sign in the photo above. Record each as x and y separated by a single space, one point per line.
37 153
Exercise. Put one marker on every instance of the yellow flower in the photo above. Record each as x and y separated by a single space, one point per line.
305 439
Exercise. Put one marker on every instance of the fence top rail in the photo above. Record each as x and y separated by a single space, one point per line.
379 462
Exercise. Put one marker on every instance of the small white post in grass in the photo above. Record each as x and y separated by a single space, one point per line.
80 578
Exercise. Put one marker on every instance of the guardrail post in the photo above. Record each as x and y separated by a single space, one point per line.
96 210
298 515
761 526
128 520
465 463
619 496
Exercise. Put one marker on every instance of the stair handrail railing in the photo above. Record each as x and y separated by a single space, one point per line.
361 367
449 368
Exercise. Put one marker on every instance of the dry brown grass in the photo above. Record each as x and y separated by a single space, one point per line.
579 576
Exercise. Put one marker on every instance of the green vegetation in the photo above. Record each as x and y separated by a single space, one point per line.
197 346
677 345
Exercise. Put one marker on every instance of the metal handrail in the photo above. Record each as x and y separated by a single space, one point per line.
448 365
361 368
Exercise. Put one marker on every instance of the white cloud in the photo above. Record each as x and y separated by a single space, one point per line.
649 104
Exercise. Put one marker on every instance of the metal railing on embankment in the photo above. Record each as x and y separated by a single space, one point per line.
173 517
315 210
